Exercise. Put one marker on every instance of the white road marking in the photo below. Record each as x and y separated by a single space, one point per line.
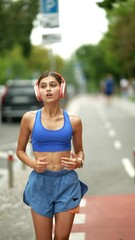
117 144
83 202
77 236
111 133
80 218
128 167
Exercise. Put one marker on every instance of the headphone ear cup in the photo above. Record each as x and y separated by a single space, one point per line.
37 92
62 86
62 89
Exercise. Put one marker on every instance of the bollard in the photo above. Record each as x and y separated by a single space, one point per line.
134 161
10 168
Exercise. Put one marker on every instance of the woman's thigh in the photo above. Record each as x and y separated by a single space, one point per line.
43 226
63 225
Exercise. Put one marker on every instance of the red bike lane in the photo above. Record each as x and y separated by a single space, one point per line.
107 218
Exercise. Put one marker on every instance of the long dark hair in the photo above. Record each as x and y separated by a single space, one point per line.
53 74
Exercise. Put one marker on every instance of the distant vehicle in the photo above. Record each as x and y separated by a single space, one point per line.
18 98
2 90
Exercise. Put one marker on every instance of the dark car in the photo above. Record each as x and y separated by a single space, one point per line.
18 98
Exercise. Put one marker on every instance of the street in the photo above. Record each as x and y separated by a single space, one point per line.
108 137
108 132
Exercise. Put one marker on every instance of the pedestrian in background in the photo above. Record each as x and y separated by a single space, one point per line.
109 87
53 188
124 86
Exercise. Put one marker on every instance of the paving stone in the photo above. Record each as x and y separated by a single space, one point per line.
15 217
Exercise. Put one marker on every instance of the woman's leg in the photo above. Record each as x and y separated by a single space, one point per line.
43 226
63 225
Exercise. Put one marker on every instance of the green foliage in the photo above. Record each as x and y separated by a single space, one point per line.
13 65
93 63
38 60
68 71
109 4
59 63
115 53
18 59
122 41
16 19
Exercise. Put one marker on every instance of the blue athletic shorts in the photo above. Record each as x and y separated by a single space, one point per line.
52 192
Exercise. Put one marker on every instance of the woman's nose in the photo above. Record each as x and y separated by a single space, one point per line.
48 88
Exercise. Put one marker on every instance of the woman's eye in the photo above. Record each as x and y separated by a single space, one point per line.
53 85
50 85
43 86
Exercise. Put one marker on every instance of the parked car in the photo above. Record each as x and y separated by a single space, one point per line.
18 98
2 90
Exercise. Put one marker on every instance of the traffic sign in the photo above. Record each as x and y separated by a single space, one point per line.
50 16
49 6
51 38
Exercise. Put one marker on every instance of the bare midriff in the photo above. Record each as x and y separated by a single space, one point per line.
54 159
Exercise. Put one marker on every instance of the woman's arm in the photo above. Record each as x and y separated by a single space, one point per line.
39 165
76 159
23 139
77 137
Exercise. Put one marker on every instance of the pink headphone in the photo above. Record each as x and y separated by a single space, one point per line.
62 88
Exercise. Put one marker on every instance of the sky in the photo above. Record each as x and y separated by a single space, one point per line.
81 22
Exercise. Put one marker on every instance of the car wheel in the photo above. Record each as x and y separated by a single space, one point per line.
3 119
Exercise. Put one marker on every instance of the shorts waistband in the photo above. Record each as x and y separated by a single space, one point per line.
56 173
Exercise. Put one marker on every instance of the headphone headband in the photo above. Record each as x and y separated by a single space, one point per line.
62 88
63 80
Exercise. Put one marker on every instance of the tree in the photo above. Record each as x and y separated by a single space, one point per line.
121 37
92 60
15 66
109 4
16 23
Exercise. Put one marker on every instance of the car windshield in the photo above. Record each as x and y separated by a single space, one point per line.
21 90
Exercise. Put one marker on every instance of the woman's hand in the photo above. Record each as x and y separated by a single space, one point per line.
71 163
40 164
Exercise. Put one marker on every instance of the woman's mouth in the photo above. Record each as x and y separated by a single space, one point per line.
48 95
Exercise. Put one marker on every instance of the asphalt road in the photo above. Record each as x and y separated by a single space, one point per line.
107 211
108 136
109 139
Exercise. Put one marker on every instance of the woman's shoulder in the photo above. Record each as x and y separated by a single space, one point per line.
29 116
74 118
30 113
72 115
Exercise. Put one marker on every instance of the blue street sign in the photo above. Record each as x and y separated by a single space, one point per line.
49 6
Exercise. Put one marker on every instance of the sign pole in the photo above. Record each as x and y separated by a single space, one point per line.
10 159
50 19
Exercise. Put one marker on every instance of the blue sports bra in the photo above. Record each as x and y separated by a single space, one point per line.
46 140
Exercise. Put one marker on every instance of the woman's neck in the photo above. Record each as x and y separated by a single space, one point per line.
51 111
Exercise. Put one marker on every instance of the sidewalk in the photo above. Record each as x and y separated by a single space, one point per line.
15 217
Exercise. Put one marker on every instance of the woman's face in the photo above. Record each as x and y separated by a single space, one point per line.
49 89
